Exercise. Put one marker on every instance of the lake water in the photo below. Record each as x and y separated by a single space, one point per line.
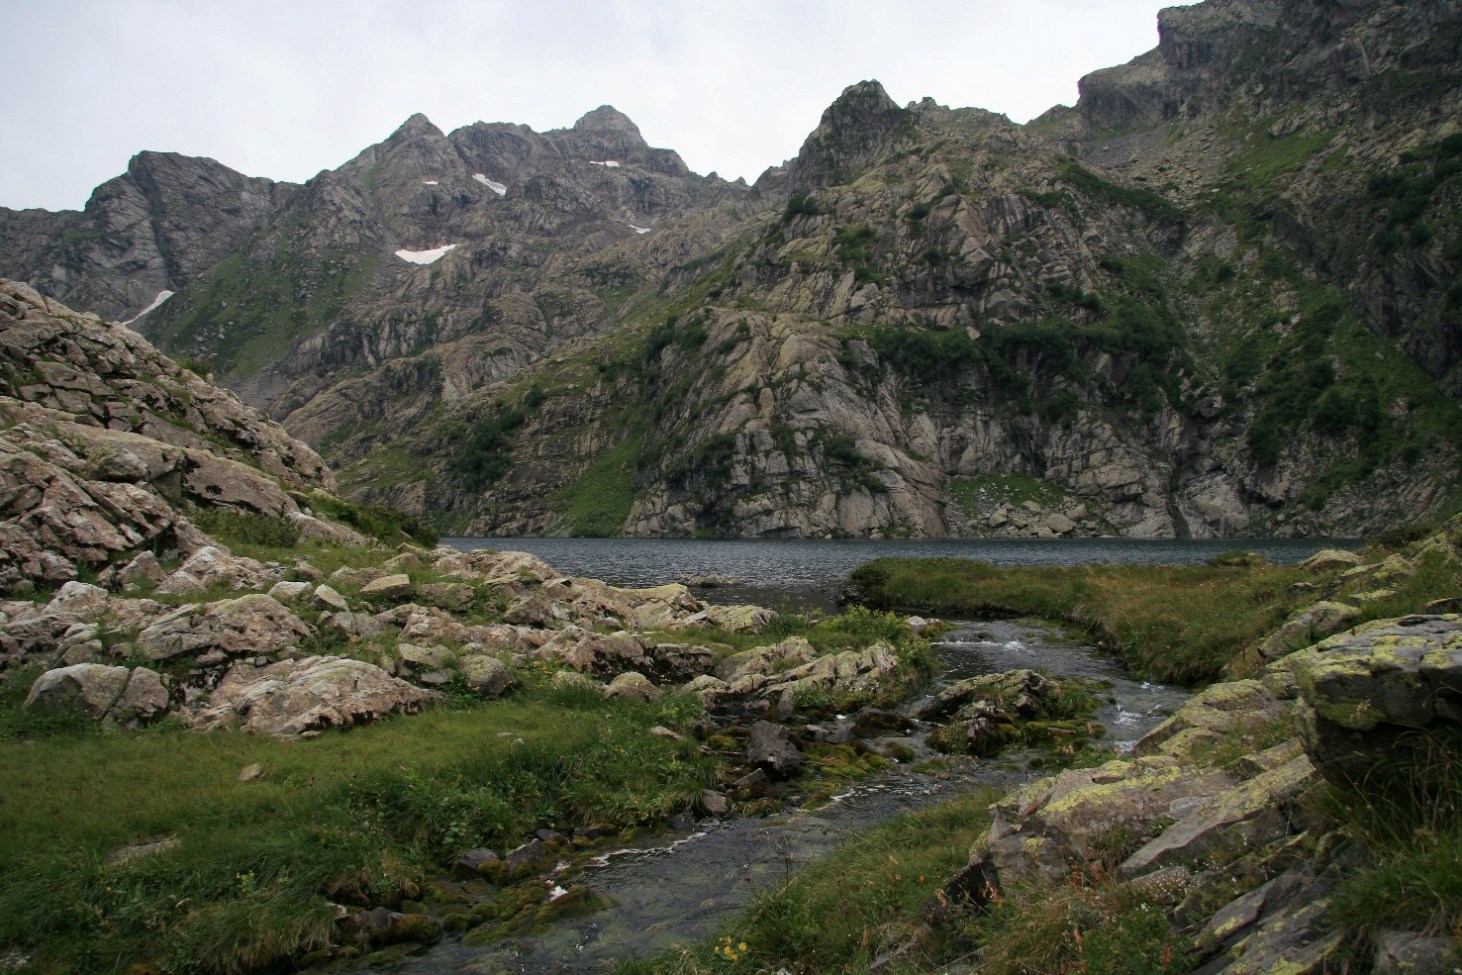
801 573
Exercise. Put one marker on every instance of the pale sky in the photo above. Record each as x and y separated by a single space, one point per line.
286 88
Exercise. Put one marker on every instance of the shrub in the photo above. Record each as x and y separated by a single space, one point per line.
486 458
801 205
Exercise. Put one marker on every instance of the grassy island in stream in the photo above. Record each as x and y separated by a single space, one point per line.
1179 624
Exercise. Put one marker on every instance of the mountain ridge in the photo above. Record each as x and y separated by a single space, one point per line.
1157 306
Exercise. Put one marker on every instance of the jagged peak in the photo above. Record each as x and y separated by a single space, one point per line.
865 95
414 128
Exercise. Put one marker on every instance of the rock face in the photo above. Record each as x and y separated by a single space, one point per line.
104 437
1382 699
148 232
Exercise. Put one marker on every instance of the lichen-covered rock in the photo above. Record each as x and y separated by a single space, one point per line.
144 699
1243 817
90 688
300 697
1039 834
865 674
1384 697
633 687
394 588
254 625
487 676
1313 623
1330 559
734 619
1218 709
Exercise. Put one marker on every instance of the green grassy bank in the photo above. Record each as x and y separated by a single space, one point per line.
357 817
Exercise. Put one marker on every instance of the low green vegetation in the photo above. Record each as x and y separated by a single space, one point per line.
245 871
842 912
972 493
597 504
1150 204
245 312
1171 623
1411 833
485 456
381 522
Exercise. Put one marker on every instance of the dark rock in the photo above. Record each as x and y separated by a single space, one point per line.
478 862
770 749
714 803
524 857
1383 701
871 722
383 926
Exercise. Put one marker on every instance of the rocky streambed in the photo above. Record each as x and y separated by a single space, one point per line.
677 887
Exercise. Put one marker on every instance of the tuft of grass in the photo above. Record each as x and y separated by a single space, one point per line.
1410 829
1092 925
842 912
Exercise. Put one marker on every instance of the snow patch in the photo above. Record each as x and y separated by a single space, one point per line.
425 257
162 296
612 164
501 189
639 230
428 182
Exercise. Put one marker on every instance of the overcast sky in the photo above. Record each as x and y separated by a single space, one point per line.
286 88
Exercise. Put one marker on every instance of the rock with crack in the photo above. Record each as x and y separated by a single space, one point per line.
255 625
1039 834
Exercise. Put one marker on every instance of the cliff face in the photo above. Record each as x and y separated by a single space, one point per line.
1214 298
151 230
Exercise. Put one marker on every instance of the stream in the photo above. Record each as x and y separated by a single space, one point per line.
680 889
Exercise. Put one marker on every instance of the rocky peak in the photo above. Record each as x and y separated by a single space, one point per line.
607 118
857 129
416 150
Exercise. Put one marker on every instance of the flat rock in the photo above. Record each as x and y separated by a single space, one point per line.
394 588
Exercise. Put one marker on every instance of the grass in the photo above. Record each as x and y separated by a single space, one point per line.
1170 623
840 913
1410 834
247 311
597 504
970 493
1092 925
360 816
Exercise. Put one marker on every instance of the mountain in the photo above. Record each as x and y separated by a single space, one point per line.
1216 297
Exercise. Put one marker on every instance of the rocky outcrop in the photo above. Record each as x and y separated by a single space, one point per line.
304 697
923 302
105 440
142 235
1216 813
